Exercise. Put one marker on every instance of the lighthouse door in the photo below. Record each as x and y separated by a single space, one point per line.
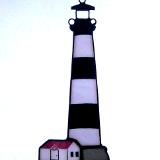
54 154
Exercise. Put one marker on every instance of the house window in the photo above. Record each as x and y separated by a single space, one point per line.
77 154
71 154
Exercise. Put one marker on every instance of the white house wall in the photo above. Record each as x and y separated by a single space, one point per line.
44 154
62 154
73 148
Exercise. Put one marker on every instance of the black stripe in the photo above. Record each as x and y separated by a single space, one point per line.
82 27
83 68
83 116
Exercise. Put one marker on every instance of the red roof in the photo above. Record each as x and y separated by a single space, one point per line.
57 144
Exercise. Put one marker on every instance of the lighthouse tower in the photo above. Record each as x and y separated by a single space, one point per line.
84 121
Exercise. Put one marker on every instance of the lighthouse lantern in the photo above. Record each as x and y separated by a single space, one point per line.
82 9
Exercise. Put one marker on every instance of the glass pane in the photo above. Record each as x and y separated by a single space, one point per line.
82 14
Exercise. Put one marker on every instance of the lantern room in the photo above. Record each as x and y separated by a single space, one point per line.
82 10
82 24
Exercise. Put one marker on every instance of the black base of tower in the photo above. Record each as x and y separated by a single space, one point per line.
95 153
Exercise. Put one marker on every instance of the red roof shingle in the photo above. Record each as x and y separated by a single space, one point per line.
57 144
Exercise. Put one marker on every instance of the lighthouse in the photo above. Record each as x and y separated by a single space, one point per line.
84 138
84 123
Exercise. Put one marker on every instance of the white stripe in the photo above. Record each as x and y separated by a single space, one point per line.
85 136
83 91
83 46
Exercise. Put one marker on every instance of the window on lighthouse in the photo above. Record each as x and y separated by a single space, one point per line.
83 14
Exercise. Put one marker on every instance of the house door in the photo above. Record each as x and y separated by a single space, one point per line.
54 154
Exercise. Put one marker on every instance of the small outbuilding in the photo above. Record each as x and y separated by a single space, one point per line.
59 150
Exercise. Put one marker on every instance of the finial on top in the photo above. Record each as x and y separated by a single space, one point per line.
83 6
82 1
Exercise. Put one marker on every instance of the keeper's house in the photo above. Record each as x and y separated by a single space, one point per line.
59 150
